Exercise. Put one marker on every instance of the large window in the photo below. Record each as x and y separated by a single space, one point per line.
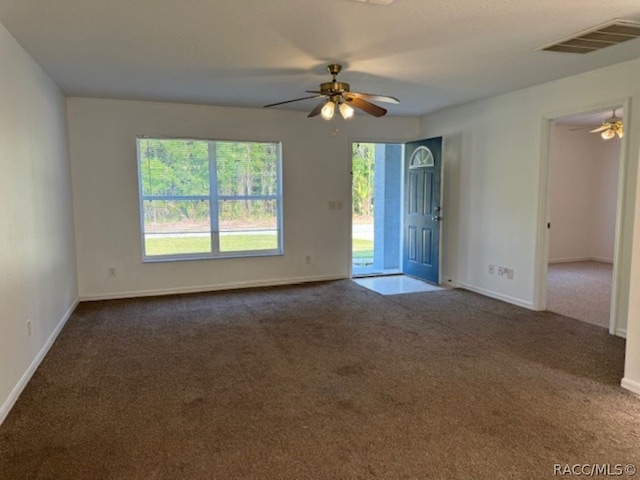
205 198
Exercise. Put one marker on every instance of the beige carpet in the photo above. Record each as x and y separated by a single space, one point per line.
320 381
581 290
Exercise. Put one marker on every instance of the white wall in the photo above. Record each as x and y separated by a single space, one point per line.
491 154
583 194
37 257
316 170
605 195
493 157
494 201
631 378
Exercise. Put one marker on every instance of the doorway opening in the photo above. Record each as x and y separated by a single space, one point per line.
396 194
583 202
376 208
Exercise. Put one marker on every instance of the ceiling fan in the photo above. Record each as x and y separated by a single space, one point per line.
338 95
611 127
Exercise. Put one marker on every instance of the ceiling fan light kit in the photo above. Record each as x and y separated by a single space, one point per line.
346 111
611 131
610 128
328 110
339 94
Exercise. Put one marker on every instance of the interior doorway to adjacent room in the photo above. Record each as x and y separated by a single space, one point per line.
582 207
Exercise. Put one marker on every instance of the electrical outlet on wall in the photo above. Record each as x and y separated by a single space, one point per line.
501 271
29 327
111 272
492 269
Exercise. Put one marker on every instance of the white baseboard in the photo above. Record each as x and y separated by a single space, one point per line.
630 385
17 390
570 259
621 332
603 260
209 288
498 296
580 259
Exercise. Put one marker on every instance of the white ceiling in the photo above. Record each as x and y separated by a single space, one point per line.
430 54
592 118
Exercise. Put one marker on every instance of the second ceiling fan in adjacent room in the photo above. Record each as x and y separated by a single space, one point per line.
610 127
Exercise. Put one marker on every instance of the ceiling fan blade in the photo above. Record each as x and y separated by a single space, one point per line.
600 129
289 101
375 97
365 106
317 109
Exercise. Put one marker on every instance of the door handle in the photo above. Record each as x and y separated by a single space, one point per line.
436 218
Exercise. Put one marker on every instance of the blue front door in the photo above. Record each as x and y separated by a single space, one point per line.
422 215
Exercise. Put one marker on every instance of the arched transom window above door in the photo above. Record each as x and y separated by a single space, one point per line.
422 157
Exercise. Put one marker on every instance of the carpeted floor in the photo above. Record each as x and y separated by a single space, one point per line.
321 381
581 290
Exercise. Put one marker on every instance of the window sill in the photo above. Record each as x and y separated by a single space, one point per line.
221 256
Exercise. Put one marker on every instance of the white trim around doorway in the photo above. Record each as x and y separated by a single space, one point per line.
621 255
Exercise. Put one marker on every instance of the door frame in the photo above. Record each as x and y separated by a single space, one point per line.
620 254
350 142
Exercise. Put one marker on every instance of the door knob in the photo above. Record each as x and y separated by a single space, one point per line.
436 218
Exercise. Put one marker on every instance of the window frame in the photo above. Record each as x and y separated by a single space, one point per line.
213 198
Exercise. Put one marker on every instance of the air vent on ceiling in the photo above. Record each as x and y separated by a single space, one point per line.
597 38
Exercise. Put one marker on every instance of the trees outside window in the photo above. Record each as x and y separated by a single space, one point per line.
206 198
363 158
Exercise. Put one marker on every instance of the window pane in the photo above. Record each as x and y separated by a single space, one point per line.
174 167
176 193
247 168
247 225
176 227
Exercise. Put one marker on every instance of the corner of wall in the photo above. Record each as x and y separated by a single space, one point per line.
8 404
